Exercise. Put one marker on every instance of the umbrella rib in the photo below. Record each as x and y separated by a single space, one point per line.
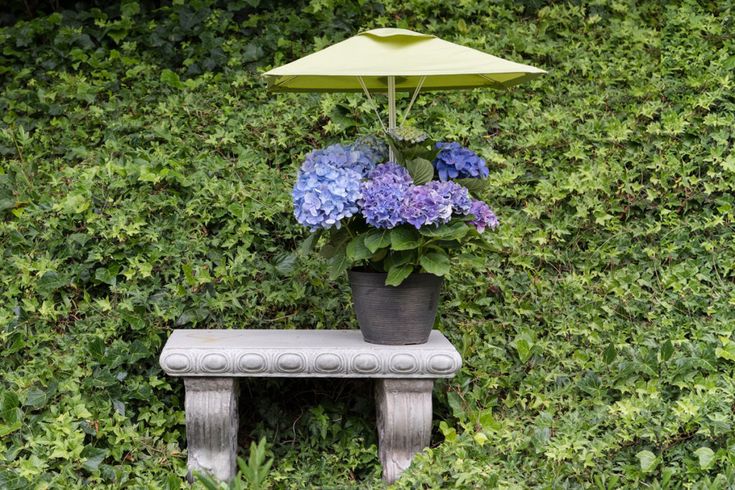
284 80
413 99
493 83
375 106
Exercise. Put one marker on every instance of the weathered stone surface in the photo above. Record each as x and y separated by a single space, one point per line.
211 425
304 353
404 422
211 361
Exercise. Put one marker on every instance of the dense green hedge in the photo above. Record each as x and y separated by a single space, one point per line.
144 186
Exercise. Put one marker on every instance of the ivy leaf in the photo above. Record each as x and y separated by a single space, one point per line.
398 274
647 460
404 238
667 350
171 79
436 263
455 403
524 344
706 457
449 433
421 170
727 351
94 457
610 354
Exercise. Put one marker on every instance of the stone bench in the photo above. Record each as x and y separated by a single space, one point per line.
210 361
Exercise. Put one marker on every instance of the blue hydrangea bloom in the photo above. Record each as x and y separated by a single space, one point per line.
484 216
383 195
339 156
454 161
328 186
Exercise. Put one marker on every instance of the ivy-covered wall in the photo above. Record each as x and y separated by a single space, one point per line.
145 180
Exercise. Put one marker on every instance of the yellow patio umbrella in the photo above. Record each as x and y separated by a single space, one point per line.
389 60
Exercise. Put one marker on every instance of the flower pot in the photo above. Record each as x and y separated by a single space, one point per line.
395 315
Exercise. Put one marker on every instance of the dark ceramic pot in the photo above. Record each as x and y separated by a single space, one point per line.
395 315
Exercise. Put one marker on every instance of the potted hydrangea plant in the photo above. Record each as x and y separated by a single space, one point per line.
393 226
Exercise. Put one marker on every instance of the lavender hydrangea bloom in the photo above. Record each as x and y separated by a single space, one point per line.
383 195
459 196
457 162
328 186
392 172
427 204
484 216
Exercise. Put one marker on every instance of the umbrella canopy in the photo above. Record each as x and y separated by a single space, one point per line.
390 60
415 61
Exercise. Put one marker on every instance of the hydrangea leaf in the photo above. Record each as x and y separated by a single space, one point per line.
436 263
404 238
475 186
338 264
310 242
398 274
356 249
454 231
421 170
377 240
399 258
337 241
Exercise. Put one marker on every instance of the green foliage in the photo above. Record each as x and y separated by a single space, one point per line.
253 473
413 149
144 185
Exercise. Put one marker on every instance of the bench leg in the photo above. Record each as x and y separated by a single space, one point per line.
404 422
211 426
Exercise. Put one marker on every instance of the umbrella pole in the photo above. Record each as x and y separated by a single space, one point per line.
391 110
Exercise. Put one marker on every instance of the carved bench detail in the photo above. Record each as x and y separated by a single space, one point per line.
211 360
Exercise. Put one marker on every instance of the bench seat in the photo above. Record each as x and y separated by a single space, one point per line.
210 361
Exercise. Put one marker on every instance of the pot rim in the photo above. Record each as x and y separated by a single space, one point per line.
377 279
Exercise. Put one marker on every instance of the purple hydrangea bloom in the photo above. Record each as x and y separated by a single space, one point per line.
454 161
328 187
459 196
484 216
383 195
391 172
427 204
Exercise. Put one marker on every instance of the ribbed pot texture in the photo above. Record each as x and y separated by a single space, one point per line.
395 315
